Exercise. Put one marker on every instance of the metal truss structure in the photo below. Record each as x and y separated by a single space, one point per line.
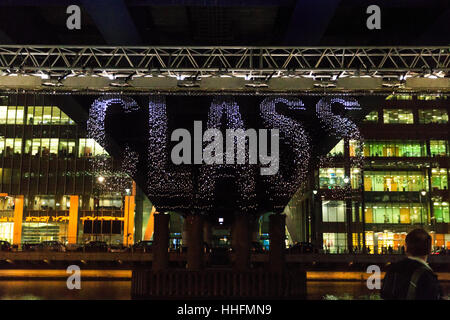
257 65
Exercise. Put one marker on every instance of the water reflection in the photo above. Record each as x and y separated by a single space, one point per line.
120 290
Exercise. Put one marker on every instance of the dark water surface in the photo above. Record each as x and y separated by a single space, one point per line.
120 290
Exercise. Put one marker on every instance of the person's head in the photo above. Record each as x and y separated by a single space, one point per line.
418 243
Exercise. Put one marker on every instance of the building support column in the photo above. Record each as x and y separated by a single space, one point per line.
128 221
73 220
195 242
18 218
161 242
277 230
241 235
207 232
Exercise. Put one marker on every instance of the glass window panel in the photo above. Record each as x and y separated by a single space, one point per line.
11 115
56 115
338 150
433 116
47 116
371 117
20 113
38 113
3 114
398 116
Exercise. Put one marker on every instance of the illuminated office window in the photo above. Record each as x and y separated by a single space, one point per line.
333 211
373 148
395 213
335 242
354 148
433 116
355 175
20 114
331 177
439 179
3 114
67 148
431 97
441 212
2 144
47 115
13 146
398 116
90 148
394 181
371 117
399 97
438 147
338 150
11 115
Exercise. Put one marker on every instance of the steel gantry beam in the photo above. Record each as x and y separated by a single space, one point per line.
256 66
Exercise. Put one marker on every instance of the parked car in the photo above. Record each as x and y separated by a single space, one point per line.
29 246
142 246
5 245
95 246
206 248
51 246
118 248
301 247
257 247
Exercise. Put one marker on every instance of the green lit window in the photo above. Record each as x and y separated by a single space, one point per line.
394 181
374 148
399 97
429 97
439 178
438 147
433 116
441 212
395 213
331 177
371 117
398 116
338 150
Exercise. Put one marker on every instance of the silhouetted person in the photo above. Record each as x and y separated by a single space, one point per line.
412 278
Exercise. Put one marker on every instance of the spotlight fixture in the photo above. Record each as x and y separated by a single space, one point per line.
188 83
52 83
120 82
257 84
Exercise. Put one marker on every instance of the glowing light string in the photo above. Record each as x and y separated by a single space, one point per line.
342 128
102 164
169 187
293 170
244 174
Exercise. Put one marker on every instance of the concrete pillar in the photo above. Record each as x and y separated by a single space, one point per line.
138 218
161 242
241 235
277 230
207 232
18 218
72 236
195 253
